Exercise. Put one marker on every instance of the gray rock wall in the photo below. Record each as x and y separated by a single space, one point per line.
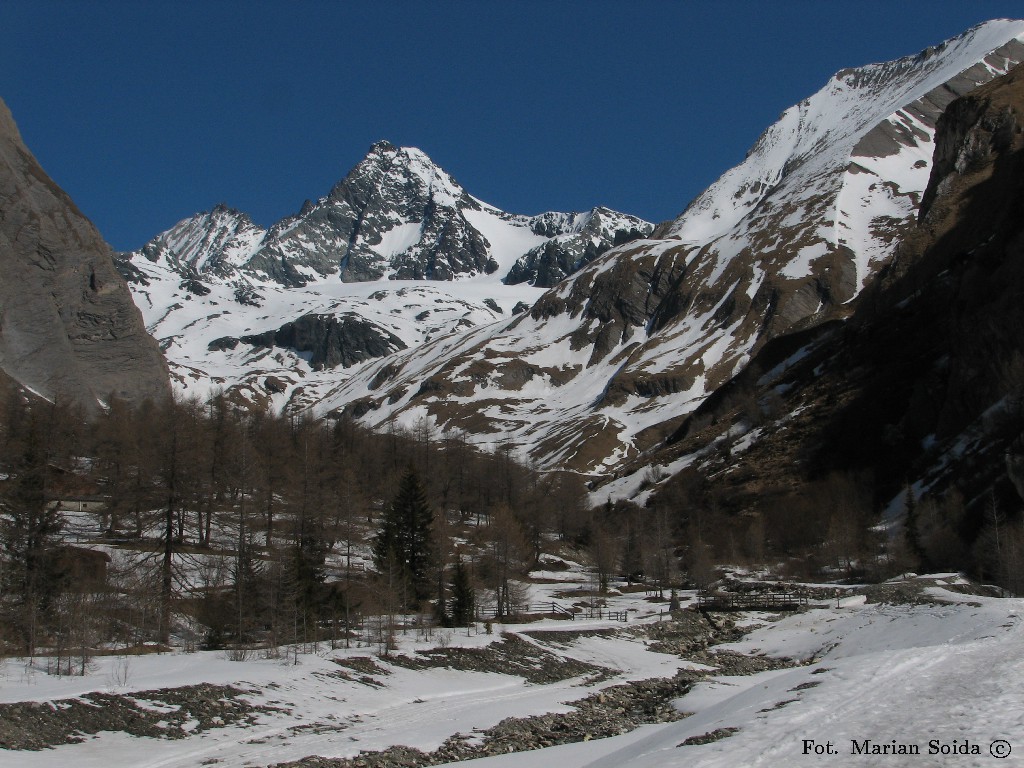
68 326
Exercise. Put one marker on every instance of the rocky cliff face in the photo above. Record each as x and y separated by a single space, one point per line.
576 240
68 326
330 340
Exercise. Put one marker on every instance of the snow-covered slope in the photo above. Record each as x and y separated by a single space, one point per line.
216 242
608 361
845 168
397 254
938 678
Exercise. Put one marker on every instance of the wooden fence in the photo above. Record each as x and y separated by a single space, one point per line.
750 601
552 609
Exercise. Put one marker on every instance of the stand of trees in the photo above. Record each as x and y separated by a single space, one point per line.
31 441
404 549
235 529
244 530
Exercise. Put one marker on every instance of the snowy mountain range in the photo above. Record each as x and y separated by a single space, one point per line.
397 250
609 360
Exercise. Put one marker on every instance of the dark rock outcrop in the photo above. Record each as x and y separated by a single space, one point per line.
332 340
68 327
589 235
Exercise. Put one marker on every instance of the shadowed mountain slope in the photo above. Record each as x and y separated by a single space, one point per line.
922 388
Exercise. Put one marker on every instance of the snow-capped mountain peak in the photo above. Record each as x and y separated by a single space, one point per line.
397 242
216 241
394 170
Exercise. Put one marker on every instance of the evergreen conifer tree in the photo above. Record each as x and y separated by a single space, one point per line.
463 596
404 541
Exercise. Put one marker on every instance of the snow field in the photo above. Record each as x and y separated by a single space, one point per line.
909 673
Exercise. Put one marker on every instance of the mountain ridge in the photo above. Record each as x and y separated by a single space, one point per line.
397 241
395 215
651 328
917 398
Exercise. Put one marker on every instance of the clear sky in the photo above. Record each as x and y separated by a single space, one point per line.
148 111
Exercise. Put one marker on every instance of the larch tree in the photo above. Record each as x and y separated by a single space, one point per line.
29 525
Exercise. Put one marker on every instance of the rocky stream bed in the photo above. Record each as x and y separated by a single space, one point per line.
616 709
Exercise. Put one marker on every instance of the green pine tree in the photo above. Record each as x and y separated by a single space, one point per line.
463 596
404 541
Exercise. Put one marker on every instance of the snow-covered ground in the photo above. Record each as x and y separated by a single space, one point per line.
905 674
946 674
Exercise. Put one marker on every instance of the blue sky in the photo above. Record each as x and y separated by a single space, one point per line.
146 112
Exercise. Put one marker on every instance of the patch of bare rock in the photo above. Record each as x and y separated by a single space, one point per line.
511 655
610 712
169 713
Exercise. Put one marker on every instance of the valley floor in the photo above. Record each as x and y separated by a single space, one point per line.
939 673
